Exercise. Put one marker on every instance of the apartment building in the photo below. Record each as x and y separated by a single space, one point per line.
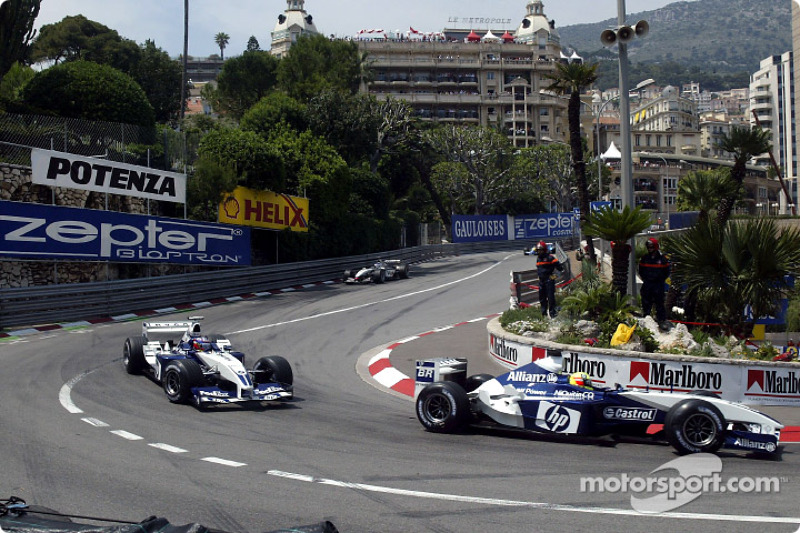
487 78
772 107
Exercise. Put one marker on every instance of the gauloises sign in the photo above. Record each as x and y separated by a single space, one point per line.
72 171
264 209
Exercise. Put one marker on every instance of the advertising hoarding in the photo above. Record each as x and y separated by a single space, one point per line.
59 169
37 231
264 209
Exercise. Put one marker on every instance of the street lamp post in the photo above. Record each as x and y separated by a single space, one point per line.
597 134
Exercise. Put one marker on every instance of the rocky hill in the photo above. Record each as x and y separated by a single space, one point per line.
722 36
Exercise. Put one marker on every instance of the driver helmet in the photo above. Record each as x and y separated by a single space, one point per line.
200 344
580 379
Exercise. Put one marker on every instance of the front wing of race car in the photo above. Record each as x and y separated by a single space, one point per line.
263 392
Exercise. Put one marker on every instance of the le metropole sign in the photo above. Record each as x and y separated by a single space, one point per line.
59 169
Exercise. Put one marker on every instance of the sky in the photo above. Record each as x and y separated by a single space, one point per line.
162 20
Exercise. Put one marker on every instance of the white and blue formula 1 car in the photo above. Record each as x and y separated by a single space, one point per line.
540 397
383 270
204 369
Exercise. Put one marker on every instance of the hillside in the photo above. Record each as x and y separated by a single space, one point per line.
726 37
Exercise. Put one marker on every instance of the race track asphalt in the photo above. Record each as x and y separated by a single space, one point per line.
393 367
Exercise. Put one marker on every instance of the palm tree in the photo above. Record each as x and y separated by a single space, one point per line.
703 190
726 268
222 40
618 227
743 143
572 78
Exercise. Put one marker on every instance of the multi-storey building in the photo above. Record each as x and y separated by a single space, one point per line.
497 78
714 126
772 106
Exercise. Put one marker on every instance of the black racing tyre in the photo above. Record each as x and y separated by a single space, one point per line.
443 407
133 355
380 277
273 369
180 376
475 381
706 393
403 270
694 426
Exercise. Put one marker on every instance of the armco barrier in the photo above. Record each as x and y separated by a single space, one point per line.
69 302
752 382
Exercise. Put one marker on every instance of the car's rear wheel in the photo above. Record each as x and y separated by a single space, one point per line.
694 426
443 407
180 377
133 355
273 369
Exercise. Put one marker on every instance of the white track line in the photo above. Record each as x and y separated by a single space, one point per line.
537 505
369 304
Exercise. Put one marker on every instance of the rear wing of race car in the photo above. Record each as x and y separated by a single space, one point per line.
190 326
440 369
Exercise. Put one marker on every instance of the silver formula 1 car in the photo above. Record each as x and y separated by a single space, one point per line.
204 369
540 397
382 270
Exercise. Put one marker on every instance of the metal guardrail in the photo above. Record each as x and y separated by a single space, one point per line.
71 302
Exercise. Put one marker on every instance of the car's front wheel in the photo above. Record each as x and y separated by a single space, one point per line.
443 407
694 426
133 355
273 369
179 378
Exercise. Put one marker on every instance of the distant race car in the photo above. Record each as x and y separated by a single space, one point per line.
540 398
382 270
204 369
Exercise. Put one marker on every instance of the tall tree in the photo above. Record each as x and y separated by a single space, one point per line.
252 44
244 80
77 38
485 155
743 143
545 172
315 63
572 78
222 39
160 78
16 31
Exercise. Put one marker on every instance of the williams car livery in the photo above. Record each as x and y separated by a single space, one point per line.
540 397
204 369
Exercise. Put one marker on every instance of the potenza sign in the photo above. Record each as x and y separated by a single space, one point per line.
72 171
36 231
